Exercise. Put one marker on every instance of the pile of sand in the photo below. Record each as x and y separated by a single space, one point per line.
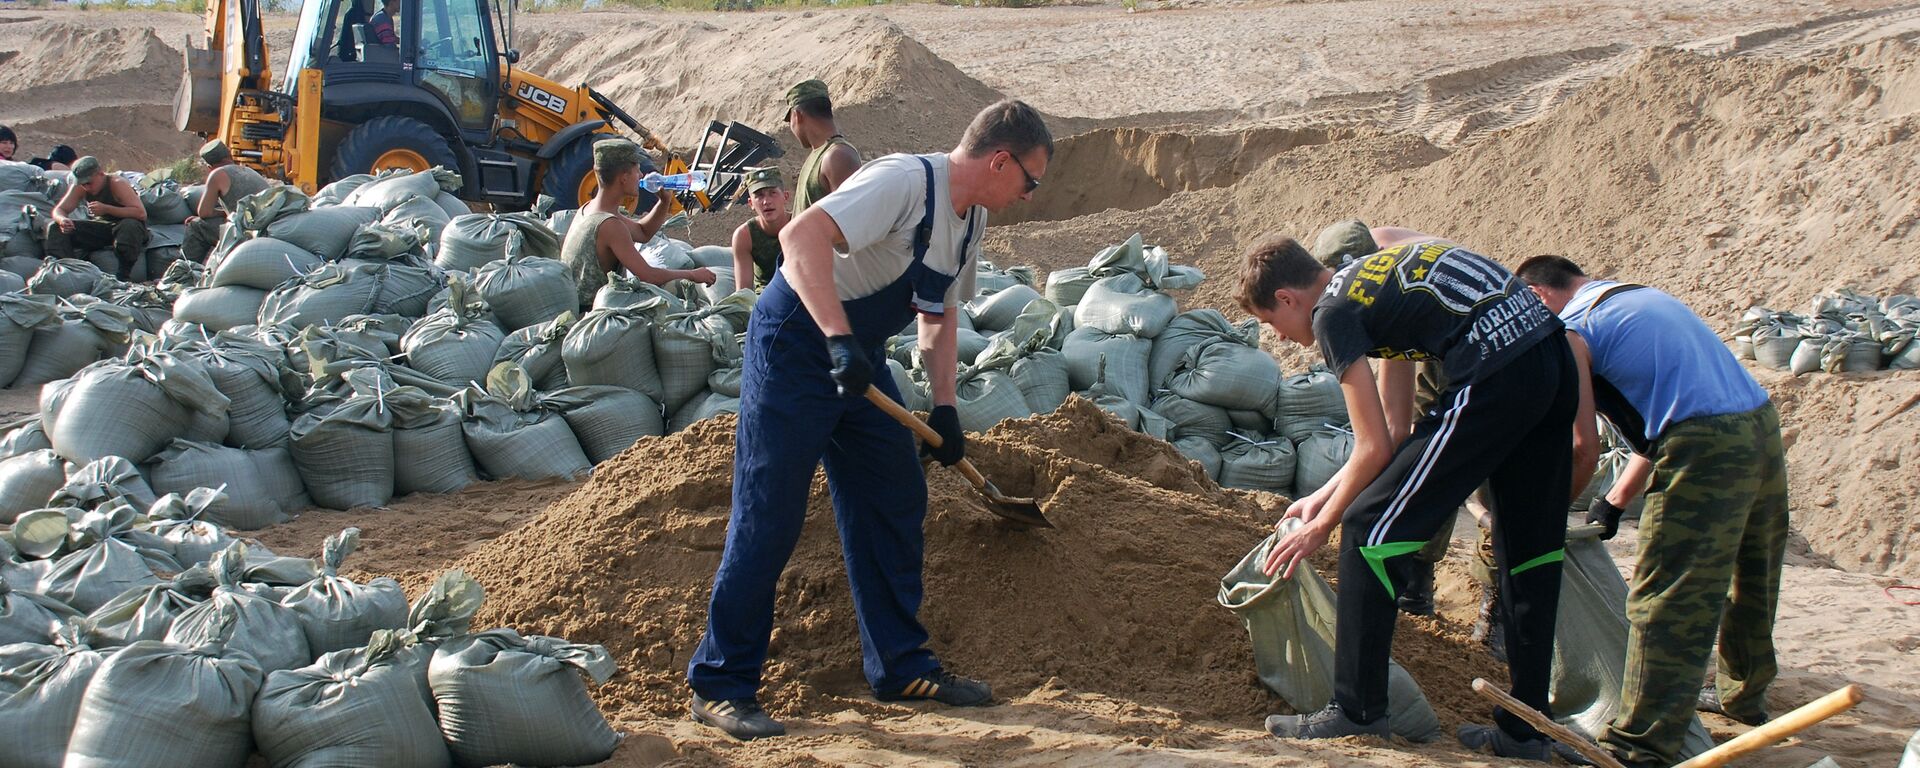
104 89
675 73
1117 601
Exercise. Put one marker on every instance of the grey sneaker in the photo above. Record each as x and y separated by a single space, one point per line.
1489 739
1330 722
742 719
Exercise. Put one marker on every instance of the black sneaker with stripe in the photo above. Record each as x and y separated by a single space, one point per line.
742 719
944 687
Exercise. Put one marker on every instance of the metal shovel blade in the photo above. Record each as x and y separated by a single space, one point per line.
1013 508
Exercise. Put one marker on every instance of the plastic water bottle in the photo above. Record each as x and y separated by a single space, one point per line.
691 181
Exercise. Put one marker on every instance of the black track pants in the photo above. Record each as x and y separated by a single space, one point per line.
1513 430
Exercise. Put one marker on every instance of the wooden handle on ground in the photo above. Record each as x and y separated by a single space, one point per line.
1546 725
1780 728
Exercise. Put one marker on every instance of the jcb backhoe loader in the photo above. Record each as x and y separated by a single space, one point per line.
443 91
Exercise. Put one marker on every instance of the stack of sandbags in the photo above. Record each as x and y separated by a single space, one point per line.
88 329
1846 332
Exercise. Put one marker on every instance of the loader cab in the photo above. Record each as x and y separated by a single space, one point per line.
442 68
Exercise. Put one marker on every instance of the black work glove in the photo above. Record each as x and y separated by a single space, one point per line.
1606 514
953 441
851 368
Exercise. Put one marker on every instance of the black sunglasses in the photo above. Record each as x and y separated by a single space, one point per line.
1032 183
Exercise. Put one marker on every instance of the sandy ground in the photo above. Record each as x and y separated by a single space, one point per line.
1769 158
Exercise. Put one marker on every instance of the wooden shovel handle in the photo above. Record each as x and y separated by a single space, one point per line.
1786 725
901 414
1560 733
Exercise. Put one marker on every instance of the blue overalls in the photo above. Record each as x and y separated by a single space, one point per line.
792 419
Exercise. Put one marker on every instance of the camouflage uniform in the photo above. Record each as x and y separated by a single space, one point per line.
1712 538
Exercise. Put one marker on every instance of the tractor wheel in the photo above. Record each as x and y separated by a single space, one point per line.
392 142
570 180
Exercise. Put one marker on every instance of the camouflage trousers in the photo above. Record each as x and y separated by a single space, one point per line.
1712 539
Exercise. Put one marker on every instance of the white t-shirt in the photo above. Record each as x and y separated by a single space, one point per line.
879 208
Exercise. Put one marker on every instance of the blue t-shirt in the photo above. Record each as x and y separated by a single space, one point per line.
1664 360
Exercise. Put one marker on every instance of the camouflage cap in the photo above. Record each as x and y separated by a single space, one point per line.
804 92
215 151
1342 242
615 154
763 178
84 169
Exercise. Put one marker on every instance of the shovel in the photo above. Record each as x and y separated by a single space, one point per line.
1022 511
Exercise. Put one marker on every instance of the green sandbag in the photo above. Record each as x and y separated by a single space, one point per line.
513 434
30 617
455 344
1291 622
1257 463
985 398
28 480
1318 456
615 347
62 278
89 329
1186 330
608 420
1308 401
102 483
148 613
1192 418
429 446
133 407
1203 451
243 621
175 518
1125 358
997 312
105 558
219 309
41 689
690 346
393 187
704 406
118 726
1066 287
20 315
524 290
1122 304
263 485
24 439
339 614
351 707
537 348
504 698
1228 373
345 454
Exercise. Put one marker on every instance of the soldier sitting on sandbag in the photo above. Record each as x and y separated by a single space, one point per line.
602 239
117 219
227 184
